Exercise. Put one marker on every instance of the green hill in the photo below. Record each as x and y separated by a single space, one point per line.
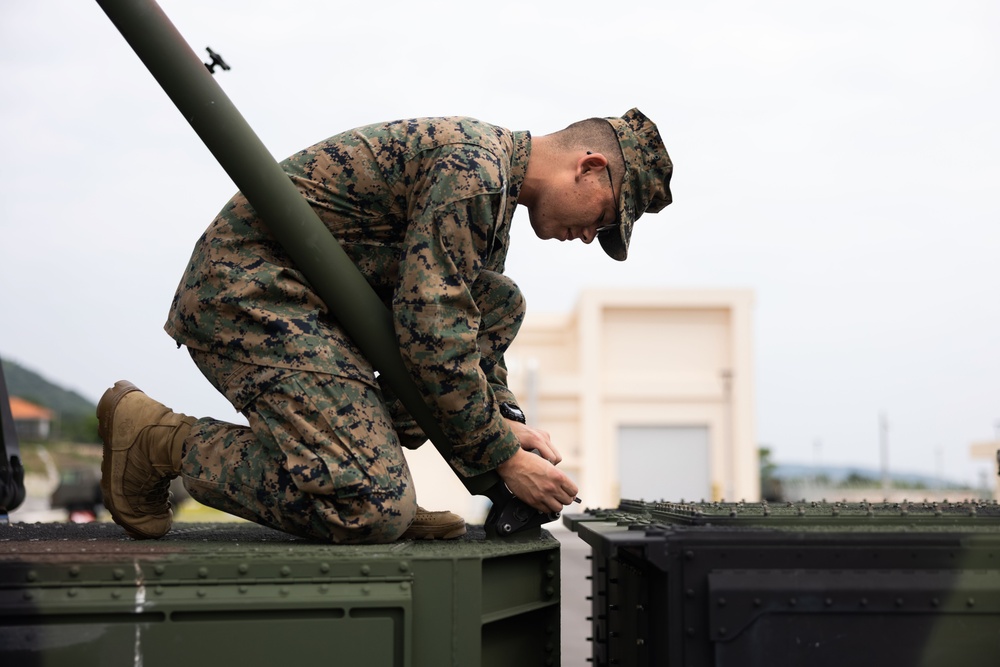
76 414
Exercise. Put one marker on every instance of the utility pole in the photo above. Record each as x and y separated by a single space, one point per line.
883 432
940 467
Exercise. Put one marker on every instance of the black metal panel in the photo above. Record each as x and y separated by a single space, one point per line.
11 470
801 584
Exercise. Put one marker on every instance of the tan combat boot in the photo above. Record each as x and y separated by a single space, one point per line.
428 525
142 453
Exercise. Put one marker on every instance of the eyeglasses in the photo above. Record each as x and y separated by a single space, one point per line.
614 198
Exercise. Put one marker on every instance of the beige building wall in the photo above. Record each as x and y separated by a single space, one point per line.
652 360
989 451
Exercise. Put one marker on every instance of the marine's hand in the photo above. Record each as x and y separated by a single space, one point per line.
537 482
533 438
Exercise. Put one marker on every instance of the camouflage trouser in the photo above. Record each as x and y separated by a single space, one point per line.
322 456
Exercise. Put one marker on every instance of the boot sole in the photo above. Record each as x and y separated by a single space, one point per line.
105 429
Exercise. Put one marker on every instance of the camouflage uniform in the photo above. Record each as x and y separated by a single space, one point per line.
423 208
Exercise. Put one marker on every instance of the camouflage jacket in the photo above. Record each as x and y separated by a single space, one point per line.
421 206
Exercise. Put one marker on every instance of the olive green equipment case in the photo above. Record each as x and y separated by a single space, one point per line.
244 595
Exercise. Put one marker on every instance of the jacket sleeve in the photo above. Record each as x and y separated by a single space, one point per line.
437 320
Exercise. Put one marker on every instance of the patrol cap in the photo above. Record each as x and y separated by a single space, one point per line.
646 183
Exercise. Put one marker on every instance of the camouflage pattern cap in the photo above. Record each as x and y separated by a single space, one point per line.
646 183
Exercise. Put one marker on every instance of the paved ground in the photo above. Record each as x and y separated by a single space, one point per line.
575 589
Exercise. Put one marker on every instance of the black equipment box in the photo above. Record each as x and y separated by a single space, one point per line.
817 584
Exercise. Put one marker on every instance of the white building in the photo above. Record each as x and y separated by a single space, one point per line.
648 394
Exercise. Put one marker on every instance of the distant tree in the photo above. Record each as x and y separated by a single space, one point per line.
770 485
80 428
858 479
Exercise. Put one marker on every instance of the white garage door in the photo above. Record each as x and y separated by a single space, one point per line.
664 463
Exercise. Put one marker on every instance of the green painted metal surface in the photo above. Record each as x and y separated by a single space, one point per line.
241 594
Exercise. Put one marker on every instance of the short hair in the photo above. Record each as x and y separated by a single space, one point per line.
597 135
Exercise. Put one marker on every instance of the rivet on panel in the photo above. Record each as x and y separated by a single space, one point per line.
31 575
366 570
283 590
243 568
201 592
159 569
202 572
403 566
117 573
325 567
285 570
74 571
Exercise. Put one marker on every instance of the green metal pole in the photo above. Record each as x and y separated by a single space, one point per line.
192 88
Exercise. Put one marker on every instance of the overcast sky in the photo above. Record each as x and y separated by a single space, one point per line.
839 159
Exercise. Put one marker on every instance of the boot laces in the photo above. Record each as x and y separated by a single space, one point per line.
157 497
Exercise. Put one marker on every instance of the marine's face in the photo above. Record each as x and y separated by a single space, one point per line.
575 208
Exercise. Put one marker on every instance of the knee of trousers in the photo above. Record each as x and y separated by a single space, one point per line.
377 519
